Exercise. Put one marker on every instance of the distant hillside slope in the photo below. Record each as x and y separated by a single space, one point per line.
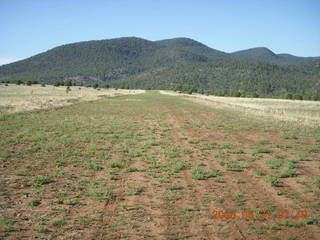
262 54
98 60
233 78
194 47
139 63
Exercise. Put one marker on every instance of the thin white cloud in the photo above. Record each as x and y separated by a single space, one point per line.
8 60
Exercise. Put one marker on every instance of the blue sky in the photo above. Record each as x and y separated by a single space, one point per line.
28 27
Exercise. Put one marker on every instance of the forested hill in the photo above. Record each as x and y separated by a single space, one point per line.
194 47
233 78
180 63
265 55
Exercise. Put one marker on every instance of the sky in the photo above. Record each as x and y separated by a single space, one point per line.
29 27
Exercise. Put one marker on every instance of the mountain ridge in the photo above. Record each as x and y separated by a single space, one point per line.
118 61
171 40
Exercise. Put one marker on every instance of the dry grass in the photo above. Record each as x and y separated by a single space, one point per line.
14 98
304 112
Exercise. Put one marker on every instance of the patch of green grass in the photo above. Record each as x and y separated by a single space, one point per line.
262 141
98 191
112 175
21 173
39 225
202 174
273 180
34 202
261 149
235 165
258 172
215 172
273 163
193 141
59 162
115 164
7 224
303 156
92 165
131 169
71 202
173 187
41 180
172 152
288 223
289 136
4 155
179 165
289 169
285 145
314 149
312 220
199 174
236 180
215 145
274 227
134 190
57 223
235 151
316 181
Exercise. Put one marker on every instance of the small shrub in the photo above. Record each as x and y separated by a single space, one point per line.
19 82
29 83
68 89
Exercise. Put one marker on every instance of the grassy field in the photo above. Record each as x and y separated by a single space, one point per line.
154 166
14 98
303 112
